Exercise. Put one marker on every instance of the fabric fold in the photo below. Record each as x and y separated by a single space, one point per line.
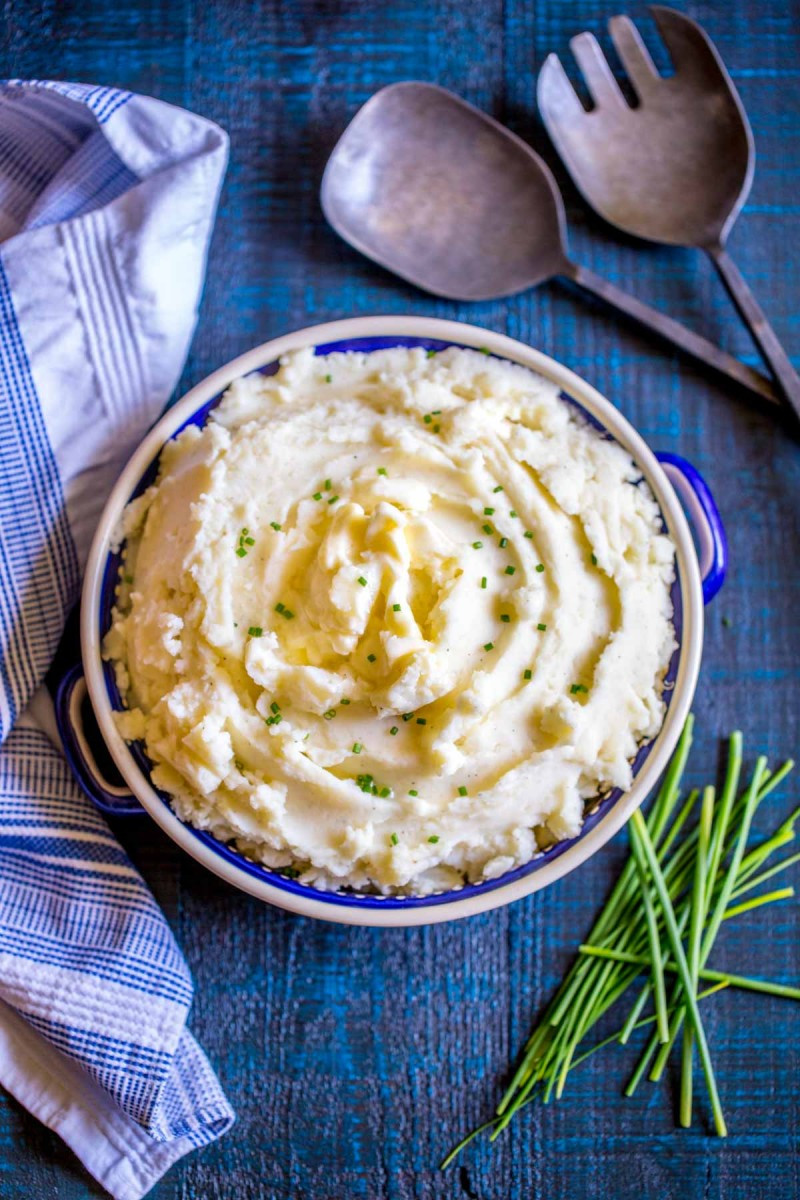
107 202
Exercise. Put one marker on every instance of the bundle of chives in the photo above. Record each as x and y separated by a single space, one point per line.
662 918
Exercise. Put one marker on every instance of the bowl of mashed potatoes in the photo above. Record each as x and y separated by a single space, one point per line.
395 620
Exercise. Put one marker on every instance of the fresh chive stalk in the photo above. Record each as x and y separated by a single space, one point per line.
700 901
454 1153
746 982
639 831
683 878
656 963
758 902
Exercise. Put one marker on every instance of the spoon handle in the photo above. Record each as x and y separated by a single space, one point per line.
672 331
763 333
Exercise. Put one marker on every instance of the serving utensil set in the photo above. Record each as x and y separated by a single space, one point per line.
447 198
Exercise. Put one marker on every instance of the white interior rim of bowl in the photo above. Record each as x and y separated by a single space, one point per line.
308 903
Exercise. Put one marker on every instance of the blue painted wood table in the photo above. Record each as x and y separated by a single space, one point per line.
356 1057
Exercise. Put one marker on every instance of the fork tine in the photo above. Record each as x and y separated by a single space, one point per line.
633 54
555 94
594 67
689 47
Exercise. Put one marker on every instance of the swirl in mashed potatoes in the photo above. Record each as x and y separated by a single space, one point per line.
389 620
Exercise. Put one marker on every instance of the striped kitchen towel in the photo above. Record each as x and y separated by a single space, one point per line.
107 202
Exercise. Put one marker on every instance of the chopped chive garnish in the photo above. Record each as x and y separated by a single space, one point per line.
483 581
541 626
255 631
333 499
594 560
275 707
427 418
527 674
381 470
357 747
578 687
344 700
422 721
540 567
370 658
488 646
429 353
462 791
275 525
279 607
317 496
433 839
276 720
483 350
328 378
512 513
503 543
249 541
394 730
288 614
413 792
407 716
330 714
510 570
437 428
499 488
327 485
245 531
527 534
385 791
487 529
129 579
436 412
242 552
362 581
477 545
505 617
488 512
396 608
393 839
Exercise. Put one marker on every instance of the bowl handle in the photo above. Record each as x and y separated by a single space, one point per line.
704 515
83 746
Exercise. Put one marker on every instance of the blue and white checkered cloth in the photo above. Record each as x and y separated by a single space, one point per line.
107 202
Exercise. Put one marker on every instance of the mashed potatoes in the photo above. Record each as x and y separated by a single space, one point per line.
388 620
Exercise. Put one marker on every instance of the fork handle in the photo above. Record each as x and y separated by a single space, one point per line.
763 334
672 331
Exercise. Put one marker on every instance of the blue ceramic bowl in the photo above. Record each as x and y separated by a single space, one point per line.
695 582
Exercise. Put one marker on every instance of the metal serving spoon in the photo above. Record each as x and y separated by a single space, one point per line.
676 168
430 187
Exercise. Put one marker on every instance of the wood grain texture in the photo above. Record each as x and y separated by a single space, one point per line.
354 1057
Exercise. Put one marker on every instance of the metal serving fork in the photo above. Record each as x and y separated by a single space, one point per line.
676 168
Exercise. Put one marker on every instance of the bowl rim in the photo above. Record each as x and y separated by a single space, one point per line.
368 327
